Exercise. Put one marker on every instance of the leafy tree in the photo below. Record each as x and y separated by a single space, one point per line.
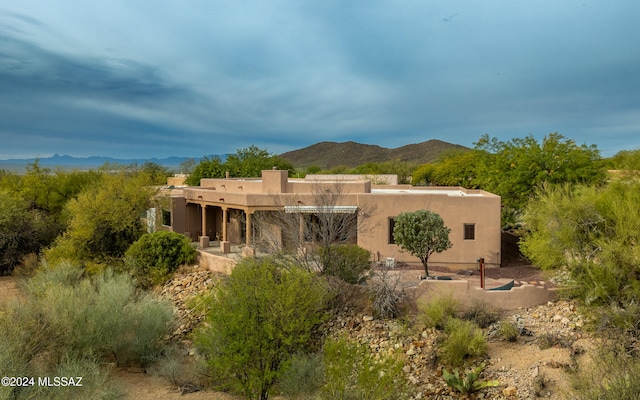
627 161
593 233
257 320
105 219
156 255
423 174
157 173
251 161
247 162
421 233
206 168
456 168
18 231
313 169
516 168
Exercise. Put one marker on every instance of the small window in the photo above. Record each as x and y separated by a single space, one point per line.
469 231
392 224
166 217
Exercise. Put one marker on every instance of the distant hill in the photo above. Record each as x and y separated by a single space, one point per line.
324 154
85 163
327 155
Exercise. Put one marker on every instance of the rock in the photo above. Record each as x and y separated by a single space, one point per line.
510 391
367 318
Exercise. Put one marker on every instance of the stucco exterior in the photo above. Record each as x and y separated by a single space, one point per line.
223 209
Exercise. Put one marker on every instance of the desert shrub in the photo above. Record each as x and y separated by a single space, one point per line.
66 316
69 326
257 319
346 261
464 339
481 313
612 375
302 377
95 383
386 298
621 319
437 312
351 372
508 331
174 365
18 231
153 257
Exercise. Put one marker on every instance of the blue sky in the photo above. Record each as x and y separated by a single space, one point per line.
135 78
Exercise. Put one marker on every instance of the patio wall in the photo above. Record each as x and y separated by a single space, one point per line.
215 263
524 296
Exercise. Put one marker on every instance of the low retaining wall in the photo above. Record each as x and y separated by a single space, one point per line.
215 263
524 296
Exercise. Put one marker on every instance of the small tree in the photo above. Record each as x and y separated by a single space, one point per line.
421 233
257 320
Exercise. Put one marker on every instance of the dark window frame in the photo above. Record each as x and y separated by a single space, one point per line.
392 223
469 231
166 217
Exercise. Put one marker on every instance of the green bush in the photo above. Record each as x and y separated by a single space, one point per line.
508 331
257 319
464 340
346 261
351 372
437 312
156 255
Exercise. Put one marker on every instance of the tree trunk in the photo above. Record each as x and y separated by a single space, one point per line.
426 268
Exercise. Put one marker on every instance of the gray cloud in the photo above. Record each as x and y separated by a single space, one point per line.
200 77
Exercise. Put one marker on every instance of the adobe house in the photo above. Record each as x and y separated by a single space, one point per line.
227 210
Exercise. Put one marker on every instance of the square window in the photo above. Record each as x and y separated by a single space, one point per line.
469 231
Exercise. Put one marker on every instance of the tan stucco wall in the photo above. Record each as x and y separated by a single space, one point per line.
215 263
465 294
483 211
376 205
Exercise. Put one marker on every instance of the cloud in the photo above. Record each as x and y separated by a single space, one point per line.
204 77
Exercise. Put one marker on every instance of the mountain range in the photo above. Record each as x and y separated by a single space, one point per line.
325 155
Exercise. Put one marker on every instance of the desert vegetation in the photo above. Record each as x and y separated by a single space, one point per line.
87 306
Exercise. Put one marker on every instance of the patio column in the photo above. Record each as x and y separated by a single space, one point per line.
248 229
302 228
225 216
225 246
248 251
204 239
